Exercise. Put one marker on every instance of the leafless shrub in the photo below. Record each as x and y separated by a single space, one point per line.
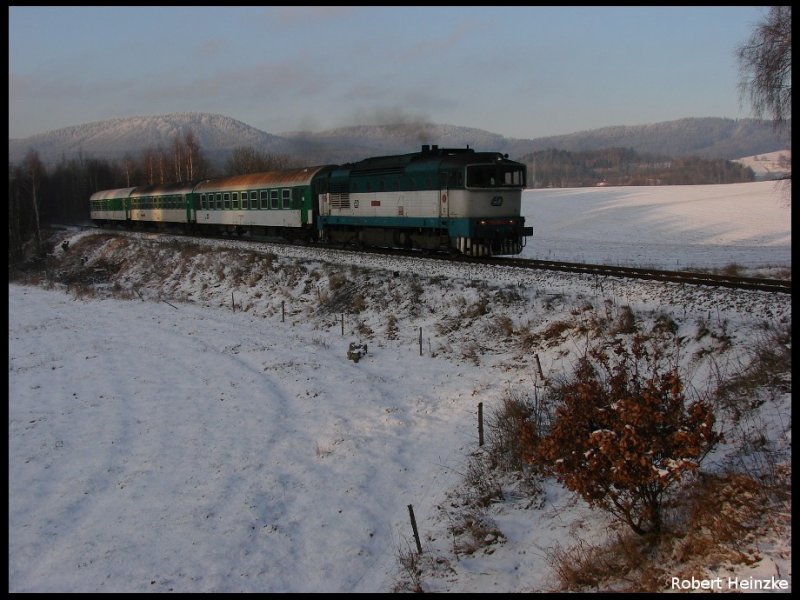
555 330
501 325
473 530
471 351
508 297
82 291
320 342
391 327
483 488
665 324
527 339
623 565
478 308
416 289
411 563
358 303
767 370
364 329
513 432
219 271
626 321
449 324
337 281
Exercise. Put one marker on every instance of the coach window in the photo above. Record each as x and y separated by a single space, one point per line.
243 196
273 198
235 204
226 200
286 198
263 199
253 200
219 201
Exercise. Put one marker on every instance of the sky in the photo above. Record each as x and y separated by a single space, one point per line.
522 72
221 450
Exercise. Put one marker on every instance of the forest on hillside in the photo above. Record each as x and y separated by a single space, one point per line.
623 166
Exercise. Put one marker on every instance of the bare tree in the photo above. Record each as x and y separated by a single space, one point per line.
148 165
765 67
33 173
177 161
195 161
245 160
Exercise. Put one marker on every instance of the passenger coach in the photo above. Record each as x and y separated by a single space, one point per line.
269 203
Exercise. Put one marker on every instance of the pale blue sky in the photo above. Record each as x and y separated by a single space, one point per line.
520 71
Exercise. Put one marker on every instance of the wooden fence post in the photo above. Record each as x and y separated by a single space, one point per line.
414 527
480 423
539 367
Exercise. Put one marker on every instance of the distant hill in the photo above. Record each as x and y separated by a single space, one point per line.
113 138
219 135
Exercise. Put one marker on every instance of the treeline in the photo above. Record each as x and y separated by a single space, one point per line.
38 195
624 166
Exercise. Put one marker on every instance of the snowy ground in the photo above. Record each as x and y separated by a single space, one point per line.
668 227
161 441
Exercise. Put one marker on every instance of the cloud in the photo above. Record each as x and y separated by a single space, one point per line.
285 16
433 47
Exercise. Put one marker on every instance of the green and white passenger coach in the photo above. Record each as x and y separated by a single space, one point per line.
438 199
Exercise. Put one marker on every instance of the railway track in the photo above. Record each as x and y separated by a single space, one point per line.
780 286
746 283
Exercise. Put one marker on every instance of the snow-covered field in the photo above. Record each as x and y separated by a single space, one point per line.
195 425
668 227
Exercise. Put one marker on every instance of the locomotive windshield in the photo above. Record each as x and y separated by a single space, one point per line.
490 176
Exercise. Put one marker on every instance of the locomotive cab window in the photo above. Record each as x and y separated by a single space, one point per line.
483 176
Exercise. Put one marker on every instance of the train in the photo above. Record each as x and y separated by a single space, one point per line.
456 200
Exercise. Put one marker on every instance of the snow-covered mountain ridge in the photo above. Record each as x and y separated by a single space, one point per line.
218 135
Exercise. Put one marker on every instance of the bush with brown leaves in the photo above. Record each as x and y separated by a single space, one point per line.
624 433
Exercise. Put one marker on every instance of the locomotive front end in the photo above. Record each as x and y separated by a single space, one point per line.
486 210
